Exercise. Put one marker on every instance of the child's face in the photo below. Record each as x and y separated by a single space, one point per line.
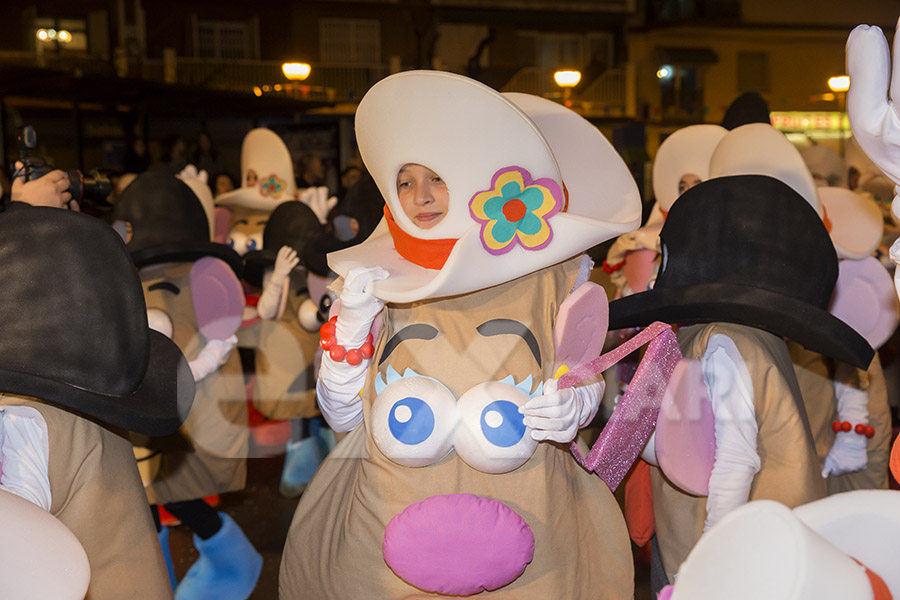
423 195
687 181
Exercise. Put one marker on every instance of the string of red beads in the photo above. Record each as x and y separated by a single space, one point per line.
847 426
354 356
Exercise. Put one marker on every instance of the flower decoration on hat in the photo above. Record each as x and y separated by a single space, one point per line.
273 186
516 209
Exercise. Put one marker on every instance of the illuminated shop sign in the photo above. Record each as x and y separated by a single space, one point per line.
804 121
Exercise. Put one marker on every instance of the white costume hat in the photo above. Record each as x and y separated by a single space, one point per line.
765 550
687 150
760 149
493 151
264 153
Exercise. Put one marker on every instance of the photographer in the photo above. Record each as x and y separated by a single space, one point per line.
50 190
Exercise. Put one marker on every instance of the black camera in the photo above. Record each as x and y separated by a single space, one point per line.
92 186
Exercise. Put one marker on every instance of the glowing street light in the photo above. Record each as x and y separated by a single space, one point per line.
43 35
296 71
567 79
841 83
64 36
665 72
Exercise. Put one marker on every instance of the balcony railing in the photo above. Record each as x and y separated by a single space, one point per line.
606 96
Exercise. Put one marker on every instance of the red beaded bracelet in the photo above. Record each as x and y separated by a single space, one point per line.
354 356
860 429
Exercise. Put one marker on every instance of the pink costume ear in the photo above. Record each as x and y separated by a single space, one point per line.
638 268
686 430
581 326
222 225
218 298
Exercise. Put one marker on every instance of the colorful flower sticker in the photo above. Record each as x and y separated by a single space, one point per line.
271 186
516 209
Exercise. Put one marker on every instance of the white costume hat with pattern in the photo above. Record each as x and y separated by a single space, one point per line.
264 153
569 188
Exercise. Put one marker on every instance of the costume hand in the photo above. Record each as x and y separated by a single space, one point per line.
49 190
191 172
847 454
212 357
557 415
358 306
317 199
285 261
874 116
895 258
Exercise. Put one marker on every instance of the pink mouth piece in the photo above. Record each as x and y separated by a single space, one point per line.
458 544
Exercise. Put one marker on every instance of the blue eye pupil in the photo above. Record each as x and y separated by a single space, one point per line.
502 424
231 243
411 421
251 245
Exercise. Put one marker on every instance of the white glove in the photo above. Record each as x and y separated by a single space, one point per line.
339 383
317 199
557 415
848 452
874 118
190 172
285 261
895 258
214 355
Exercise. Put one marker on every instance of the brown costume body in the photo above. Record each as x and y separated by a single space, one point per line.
789 468
217 424
582 550
97 493
816 374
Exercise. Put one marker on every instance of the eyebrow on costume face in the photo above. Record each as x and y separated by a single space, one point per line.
509 326
241 222
165 285
416 331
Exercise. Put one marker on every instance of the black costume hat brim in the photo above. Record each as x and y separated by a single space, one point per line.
187 251
809 325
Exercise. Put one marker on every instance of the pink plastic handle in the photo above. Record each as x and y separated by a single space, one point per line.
633 421
218 298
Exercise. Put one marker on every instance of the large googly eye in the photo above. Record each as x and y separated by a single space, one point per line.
491 436
413 420
237 240
254 242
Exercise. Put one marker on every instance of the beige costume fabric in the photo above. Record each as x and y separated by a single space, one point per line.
816 374
97 493
285 379
216 427
789 467
333 550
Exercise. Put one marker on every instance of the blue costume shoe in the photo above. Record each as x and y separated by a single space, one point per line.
167 555
227 569
300 463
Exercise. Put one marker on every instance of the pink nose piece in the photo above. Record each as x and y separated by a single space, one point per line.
458 544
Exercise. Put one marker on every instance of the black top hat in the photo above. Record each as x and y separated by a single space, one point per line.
291 224
749 107
750 250
75 324
167 222
364 203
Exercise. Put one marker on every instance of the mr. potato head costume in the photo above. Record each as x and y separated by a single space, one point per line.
442 486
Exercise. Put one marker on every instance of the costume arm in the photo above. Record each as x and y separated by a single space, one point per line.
270 298
214 355
737 461
339 382
848 452
24 454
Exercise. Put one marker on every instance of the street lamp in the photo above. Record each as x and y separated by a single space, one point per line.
567 80
296 71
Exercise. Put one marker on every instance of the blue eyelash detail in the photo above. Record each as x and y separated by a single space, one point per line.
524 385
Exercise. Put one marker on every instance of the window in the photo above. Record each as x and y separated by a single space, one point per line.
77 29
223 39
682 92
350 41
552 51
753 72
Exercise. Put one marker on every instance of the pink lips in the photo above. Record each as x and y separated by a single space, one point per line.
428 217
